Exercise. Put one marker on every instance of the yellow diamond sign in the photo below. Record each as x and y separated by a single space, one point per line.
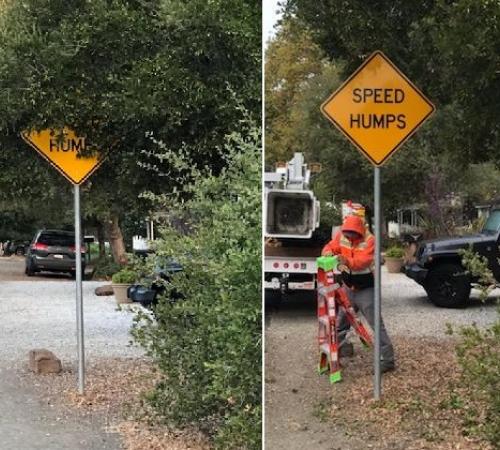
377 108
63 150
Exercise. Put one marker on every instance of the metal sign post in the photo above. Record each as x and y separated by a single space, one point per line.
377 300
79 296
65 151
377 108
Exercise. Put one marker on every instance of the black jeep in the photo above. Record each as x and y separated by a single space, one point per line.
154 285
439 270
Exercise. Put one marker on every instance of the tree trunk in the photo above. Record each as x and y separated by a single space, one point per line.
115 237
101 239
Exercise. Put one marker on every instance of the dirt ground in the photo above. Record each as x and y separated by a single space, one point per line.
304 411
116 390
12 269
31 421
297 399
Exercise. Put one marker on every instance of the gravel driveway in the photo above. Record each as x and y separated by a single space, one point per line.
296 397
37 314
41 313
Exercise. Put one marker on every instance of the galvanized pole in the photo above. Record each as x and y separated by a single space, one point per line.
377 300
79 297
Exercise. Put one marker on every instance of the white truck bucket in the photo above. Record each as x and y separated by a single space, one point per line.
291 214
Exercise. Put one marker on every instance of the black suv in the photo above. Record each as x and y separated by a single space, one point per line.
439 270
53 251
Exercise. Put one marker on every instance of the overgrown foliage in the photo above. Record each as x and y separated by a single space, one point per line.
478 267
208 345
479 356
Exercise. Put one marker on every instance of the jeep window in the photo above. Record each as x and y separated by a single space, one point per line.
492 225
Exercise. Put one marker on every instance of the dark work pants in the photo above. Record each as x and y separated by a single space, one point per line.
363 301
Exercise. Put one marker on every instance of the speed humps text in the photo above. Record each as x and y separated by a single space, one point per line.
371 96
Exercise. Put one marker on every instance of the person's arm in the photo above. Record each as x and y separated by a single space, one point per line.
333 247
362 257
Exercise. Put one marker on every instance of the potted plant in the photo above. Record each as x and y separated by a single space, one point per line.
121 281
394 259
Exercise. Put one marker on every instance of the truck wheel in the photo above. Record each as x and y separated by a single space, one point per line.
448 286
272 298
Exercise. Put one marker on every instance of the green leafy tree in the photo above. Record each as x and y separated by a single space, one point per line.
292 59
114 70
351 30
346 173
456 57
427 41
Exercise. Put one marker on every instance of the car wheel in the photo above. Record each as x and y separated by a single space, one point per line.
29 270
448 286
19 251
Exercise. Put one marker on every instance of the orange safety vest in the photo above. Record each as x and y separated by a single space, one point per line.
358 253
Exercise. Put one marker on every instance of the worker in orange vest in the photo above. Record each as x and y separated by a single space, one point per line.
354 246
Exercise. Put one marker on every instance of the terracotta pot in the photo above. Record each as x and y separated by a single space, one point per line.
394 265
120 291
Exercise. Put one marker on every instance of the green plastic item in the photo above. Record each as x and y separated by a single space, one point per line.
335 377
327 263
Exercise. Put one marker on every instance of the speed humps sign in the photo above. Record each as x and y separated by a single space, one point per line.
377 108
65 151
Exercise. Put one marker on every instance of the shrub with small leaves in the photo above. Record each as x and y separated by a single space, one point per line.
394 252
208 344
479 356
477 266
124 276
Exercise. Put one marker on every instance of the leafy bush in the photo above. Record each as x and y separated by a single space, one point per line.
394 252
208 345
477 266
124 276
479 356
104 268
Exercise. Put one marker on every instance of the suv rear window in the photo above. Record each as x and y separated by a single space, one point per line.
62 240
493 222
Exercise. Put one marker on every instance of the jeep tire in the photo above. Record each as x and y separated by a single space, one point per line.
448 286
